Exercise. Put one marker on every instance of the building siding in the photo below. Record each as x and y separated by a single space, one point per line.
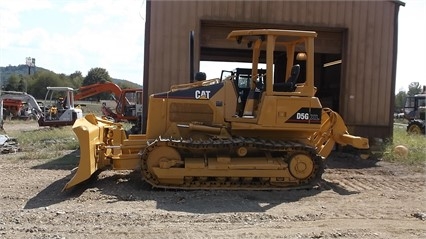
366 26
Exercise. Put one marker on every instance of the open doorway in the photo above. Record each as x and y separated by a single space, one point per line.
328 78
327 75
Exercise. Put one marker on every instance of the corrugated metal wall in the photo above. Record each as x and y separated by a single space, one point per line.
368 48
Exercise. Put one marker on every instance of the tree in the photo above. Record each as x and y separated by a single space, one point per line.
414 88
41 81
22 85
76 74
96 75
400 100
13 83
76 79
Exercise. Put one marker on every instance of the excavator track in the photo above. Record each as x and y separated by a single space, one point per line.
233 163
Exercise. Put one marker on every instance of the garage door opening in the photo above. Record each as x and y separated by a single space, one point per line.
213 69
327 79
327 75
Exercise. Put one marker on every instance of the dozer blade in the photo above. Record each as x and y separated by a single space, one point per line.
89 131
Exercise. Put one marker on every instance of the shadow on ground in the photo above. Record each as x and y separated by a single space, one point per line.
342 160
128 186
66 162
51 195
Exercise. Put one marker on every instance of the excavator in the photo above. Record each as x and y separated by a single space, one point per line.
12 103
57 109
129 101
198 137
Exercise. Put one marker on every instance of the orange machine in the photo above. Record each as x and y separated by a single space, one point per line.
129 101
13 106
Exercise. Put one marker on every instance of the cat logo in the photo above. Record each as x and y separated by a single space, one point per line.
202 94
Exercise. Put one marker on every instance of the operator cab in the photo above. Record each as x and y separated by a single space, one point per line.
415 106
280 79
242 78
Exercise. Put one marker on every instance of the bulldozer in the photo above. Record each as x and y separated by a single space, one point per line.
201 135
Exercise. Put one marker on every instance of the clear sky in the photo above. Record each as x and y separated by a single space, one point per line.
69 35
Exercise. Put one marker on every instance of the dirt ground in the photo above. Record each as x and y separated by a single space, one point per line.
356 199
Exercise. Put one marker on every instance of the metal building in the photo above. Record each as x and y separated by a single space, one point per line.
355 51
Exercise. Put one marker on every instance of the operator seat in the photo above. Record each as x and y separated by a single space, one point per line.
290 84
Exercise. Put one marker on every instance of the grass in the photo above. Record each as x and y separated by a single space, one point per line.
45 143
49 143
416 145
90 107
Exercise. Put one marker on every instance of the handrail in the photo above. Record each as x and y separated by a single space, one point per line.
195 84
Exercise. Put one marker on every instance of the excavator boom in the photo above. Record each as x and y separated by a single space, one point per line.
22 96
95 89
17 98
128 108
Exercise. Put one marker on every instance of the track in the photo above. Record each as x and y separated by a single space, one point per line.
236 163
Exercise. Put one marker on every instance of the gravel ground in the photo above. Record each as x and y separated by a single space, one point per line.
356 199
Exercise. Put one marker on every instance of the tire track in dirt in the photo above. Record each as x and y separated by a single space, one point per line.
360 183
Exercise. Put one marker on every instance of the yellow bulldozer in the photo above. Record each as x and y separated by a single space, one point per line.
258 133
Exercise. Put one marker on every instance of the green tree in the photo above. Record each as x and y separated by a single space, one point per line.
96 75
43 80
76 79
76 74
414 88
22 85
400 100
13 83
65 79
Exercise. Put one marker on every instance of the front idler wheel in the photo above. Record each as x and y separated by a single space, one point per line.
301 166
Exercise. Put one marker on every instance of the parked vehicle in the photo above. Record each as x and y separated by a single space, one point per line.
57 109
414 112
200 136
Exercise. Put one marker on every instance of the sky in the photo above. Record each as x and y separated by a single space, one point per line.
67 36
77 35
